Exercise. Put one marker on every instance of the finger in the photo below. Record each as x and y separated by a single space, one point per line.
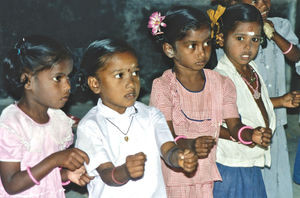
83 156
85 178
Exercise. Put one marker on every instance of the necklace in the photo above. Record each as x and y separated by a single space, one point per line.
126 138
256 94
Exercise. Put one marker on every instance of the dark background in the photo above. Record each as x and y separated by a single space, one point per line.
78 22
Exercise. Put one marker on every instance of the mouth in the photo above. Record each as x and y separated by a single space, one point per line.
65 98
200 63
131 95
245 56
264 14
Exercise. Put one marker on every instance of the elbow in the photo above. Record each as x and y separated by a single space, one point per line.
11 190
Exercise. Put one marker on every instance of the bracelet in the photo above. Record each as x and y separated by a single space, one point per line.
288 50
65 183
240 137
169 155
114 179
180 137
31 176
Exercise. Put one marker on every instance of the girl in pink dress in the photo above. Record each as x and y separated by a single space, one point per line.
195 101
34 132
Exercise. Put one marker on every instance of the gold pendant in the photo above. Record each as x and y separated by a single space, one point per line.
126 138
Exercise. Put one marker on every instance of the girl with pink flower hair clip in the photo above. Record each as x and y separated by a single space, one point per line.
196 101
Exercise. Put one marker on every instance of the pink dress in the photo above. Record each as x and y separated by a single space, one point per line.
194 114
25 141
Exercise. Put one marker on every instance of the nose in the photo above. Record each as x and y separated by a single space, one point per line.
248 45
67 85
200 52
130 82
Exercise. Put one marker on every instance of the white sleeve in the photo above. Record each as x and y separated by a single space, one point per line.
162 131
89 140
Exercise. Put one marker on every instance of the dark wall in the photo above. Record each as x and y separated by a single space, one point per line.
78 22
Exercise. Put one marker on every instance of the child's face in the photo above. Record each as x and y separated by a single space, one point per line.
51 87
119 81
193 51
241 44
262 5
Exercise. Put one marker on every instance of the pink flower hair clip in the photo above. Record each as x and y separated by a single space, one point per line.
155 21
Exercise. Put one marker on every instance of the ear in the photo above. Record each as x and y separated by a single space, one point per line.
26 79
94 84
168 50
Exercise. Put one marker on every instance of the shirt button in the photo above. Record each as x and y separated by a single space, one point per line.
267 66
269 85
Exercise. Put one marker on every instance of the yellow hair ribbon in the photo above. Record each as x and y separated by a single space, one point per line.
214 17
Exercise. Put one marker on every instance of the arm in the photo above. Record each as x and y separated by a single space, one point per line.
175 157
132 169
289 100
259 135
15 181
201 145
294 53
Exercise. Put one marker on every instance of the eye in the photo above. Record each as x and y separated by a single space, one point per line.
207 43
254 2
57 78
136 73
119 75
255 40
239 38
191 46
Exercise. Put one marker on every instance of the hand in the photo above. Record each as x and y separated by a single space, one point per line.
269 29
203 146
187 160
79 176
291 99
135 165
262 136
71 159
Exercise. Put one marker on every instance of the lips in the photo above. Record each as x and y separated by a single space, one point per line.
65 98
264 14
131 95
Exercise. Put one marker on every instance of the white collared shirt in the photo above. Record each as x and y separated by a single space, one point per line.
231 153
104 142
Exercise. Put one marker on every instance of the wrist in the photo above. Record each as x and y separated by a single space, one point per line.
242 136
120 175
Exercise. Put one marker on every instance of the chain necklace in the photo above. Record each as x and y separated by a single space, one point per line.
256 94
126 138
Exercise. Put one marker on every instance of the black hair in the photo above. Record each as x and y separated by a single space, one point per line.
240 12
31 54
225 3
98 52
179 20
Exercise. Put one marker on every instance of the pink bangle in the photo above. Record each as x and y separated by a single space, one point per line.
180 137
31 176
114 179
288 50
240 133
65 183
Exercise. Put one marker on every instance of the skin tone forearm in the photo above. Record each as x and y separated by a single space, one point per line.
15 181
259 135
289 100
284 45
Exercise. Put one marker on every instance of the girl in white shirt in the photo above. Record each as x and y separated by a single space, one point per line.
124 138
238 164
